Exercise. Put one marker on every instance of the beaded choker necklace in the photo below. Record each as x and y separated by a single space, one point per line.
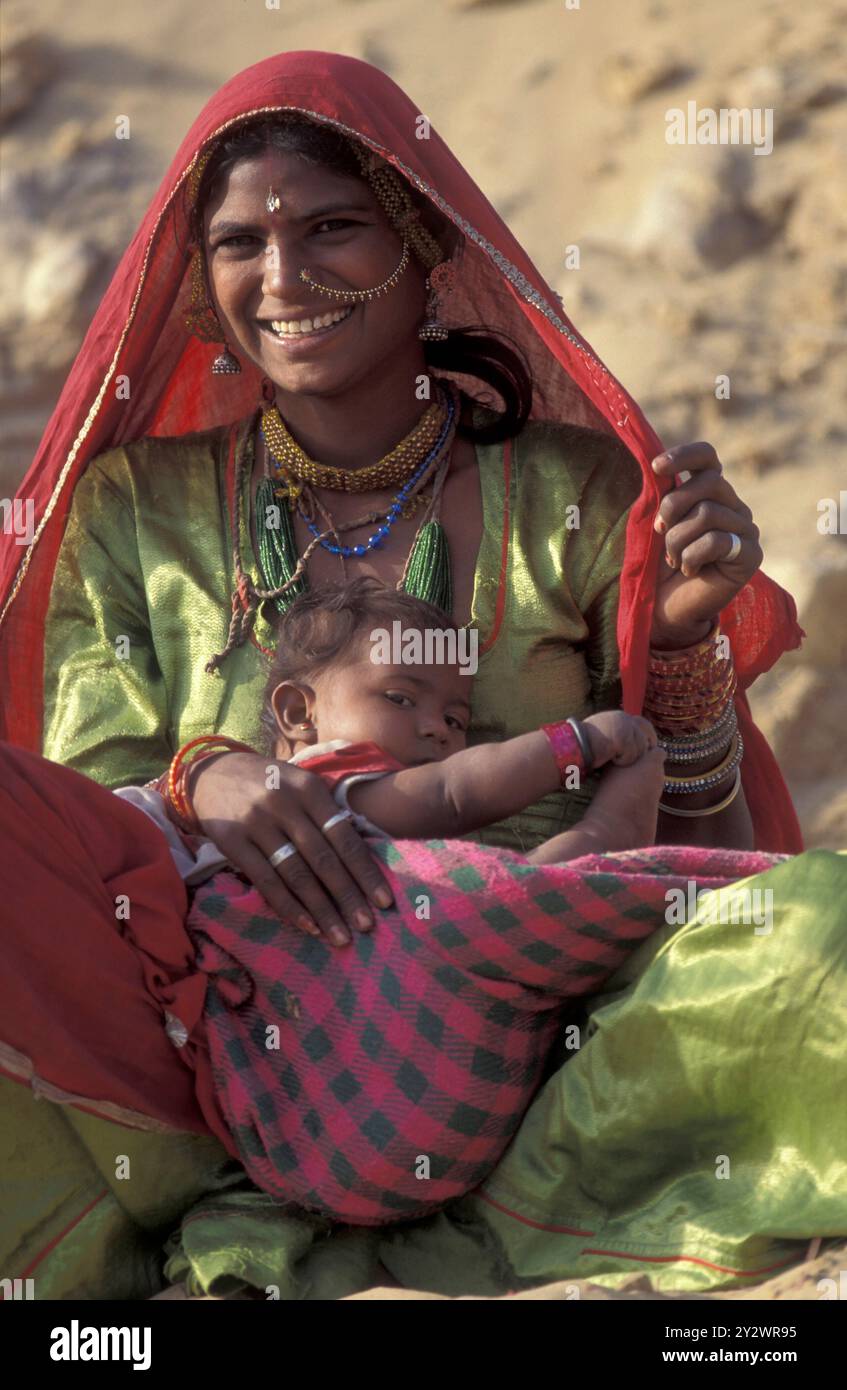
397 467
427 573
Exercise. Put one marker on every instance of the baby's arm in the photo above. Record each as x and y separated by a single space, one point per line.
488 782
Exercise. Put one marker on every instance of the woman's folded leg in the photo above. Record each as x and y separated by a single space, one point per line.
94 948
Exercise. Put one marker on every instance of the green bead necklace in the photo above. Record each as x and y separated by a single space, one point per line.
427 574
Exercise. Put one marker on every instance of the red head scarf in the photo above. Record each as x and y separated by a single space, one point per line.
138 333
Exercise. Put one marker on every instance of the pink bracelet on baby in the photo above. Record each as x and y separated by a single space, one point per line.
571 748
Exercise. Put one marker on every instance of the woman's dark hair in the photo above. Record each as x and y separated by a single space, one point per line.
472 351
326 624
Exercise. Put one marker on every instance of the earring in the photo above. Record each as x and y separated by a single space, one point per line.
305 726
202 321
226 364
441 280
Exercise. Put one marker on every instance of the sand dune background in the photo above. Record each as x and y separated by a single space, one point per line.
694 262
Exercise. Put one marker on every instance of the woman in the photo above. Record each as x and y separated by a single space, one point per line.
151 523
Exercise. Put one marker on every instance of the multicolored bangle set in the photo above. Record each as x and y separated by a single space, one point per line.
689 702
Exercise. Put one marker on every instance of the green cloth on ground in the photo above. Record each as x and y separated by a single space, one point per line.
69 1221
701 1130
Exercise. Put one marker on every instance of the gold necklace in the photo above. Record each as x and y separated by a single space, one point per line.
287 457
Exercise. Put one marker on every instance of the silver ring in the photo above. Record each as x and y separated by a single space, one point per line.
735 548
336 820
280 855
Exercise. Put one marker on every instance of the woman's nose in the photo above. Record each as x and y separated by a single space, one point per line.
282 272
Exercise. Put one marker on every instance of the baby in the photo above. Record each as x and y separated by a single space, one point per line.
330 692
380 1081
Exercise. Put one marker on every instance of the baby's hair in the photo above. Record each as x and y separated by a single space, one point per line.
324 625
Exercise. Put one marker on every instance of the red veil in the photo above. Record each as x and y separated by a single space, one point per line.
138 334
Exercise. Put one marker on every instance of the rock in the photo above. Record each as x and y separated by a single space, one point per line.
27 66
802 356
61 268
763 85
676 316
696 217
763 443
818 219
69 140
539 73
627 77
603 168
49 283
578 297
821 92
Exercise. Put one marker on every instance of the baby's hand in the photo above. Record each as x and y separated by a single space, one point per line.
619 738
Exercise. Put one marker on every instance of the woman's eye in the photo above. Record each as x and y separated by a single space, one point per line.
396 698
338 222
240 238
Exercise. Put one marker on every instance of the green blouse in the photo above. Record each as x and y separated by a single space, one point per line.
141 599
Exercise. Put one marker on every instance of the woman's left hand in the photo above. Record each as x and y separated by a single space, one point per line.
697 518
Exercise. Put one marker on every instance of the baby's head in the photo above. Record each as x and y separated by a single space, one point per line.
365 662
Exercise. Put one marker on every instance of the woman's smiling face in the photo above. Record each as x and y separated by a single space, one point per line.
334 226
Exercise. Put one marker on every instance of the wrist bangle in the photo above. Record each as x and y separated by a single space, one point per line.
714 739
689 691
571 748
713 776
584 743
175 780
706 810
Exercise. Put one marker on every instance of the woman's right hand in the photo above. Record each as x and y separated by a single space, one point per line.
333 874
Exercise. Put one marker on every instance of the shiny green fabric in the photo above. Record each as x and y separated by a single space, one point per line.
70 1222
147 558
699 1136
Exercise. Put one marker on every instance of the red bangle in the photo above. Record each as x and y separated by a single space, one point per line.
175 780
571 748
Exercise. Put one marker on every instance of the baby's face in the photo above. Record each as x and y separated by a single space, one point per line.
417 713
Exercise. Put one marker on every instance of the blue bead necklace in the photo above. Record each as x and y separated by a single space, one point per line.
379 535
